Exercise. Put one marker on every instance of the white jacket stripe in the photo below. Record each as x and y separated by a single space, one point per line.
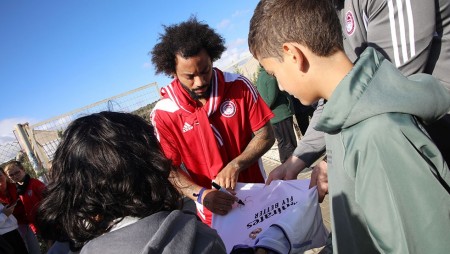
412 41
401 25
393 33
402 13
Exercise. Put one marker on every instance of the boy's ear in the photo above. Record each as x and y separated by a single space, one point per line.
294 53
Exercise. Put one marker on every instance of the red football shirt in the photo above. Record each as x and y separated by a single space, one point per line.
205 138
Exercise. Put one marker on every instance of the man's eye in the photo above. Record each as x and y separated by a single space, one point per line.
206 72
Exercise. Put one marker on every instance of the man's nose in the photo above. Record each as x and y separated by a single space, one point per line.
198 81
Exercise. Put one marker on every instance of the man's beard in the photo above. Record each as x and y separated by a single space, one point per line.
195 96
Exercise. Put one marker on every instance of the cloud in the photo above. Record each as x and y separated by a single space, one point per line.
235 17
237 43
236 50
147 65
224 24
8 142
7 139
7 127
240 13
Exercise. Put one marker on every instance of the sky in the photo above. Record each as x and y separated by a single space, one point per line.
57 56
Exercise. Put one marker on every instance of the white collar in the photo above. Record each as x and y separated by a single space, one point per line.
123 222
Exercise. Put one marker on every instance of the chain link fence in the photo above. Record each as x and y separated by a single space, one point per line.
41 139
45 136
9 151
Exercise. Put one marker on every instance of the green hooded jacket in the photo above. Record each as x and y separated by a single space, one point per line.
389 185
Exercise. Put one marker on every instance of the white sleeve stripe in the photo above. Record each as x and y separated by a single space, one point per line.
393 33
170 93
173 97
401 24
152 117
214 93
250 87
365 19
412 41
401 11
217 135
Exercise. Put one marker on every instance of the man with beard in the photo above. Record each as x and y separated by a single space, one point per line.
212 124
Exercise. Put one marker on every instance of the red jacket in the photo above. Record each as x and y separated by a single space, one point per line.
206 137
31 200
10 197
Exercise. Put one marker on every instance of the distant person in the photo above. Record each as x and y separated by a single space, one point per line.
29 191
11 241
384 171
281 105
109 191
213 124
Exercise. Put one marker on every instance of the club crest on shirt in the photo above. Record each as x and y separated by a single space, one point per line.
228 108
349 23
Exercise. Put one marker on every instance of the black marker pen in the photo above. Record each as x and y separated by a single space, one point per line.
220 188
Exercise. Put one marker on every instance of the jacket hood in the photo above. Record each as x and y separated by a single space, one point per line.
175 232
162 232
375 86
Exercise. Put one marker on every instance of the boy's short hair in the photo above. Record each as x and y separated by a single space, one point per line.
312 23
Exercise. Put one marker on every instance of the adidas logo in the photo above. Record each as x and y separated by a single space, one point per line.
187 127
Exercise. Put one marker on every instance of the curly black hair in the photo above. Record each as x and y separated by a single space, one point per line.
186 38
108 165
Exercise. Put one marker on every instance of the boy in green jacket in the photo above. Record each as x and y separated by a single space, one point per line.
389 185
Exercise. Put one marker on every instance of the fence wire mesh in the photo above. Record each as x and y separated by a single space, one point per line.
45 136
9 151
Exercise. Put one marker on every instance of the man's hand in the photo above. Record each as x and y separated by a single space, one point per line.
218 202
261 142
228 176
289 170
319 177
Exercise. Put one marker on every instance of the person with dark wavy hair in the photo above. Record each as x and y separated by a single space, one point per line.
109 191
214 124
187 39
